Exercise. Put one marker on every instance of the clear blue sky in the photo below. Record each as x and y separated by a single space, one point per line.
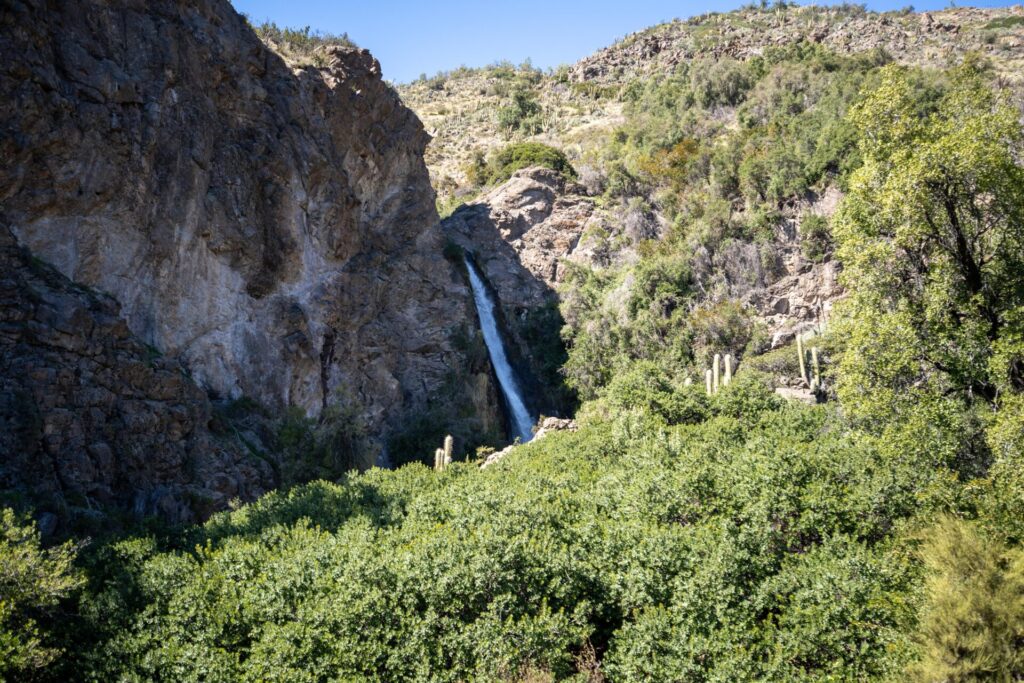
411 37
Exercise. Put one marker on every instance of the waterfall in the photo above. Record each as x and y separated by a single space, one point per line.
522 421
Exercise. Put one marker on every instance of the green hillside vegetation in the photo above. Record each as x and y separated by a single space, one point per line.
676 536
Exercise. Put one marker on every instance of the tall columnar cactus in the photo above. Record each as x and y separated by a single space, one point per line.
439 460
449 444
708 380
717 365
727 379
815 365
803 362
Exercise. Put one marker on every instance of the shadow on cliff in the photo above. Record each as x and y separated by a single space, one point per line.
527 313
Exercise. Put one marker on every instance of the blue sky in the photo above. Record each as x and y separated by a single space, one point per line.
413 37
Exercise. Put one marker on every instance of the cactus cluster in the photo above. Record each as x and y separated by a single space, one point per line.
443 456
713 377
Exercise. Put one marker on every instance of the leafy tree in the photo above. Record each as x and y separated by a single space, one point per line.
931 236
972 625
32 583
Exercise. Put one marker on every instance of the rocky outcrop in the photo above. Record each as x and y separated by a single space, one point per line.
92 419
932 39
520 234
272 227
521 231
548 425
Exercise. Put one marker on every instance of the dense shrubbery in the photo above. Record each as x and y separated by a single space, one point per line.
676 536
669 551
519 155
32 583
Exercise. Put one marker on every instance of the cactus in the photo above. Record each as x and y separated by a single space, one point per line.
707 381
727 379
717 365
816 366
803 364
449 444
688 382
443 456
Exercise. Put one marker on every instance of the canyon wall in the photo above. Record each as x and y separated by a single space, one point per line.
270 226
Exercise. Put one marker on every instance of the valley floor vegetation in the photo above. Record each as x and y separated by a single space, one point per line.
676 536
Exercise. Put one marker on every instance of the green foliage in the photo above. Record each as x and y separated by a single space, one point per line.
748 396
729 549
33 581
323 448
1005 22
646 387
540 329
932 241
815 237
972 621
511 158
522 114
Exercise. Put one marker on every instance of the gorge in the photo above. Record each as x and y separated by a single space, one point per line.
250 290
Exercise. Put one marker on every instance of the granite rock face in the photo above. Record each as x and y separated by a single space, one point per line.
90 417
272 227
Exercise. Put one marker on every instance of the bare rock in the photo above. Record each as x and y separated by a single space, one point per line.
797 394
548 425
93 419
273 227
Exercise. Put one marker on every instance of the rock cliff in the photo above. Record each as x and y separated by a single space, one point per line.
520 234
92 419
271 227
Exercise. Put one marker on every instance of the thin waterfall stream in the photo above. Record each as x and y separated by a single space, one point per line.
522 421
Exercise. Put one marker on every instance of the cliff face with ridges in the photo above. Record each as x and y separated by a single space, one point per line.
92 419
273 228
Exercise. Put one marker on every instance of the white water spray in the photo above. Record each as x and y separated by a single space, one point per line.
522 422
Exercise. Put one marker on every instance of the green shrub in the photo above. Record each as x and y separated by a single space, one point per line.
520 155
522 113
33 581
645 387
750 394
972 622
815 237
1004 22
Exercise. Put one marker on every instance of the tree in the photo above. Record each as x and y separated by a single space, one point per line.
972 624
32 582
931 237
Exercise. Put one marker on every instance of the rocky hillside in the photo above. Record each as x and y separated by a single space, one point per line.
581 102
922 39
269 226
691 131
